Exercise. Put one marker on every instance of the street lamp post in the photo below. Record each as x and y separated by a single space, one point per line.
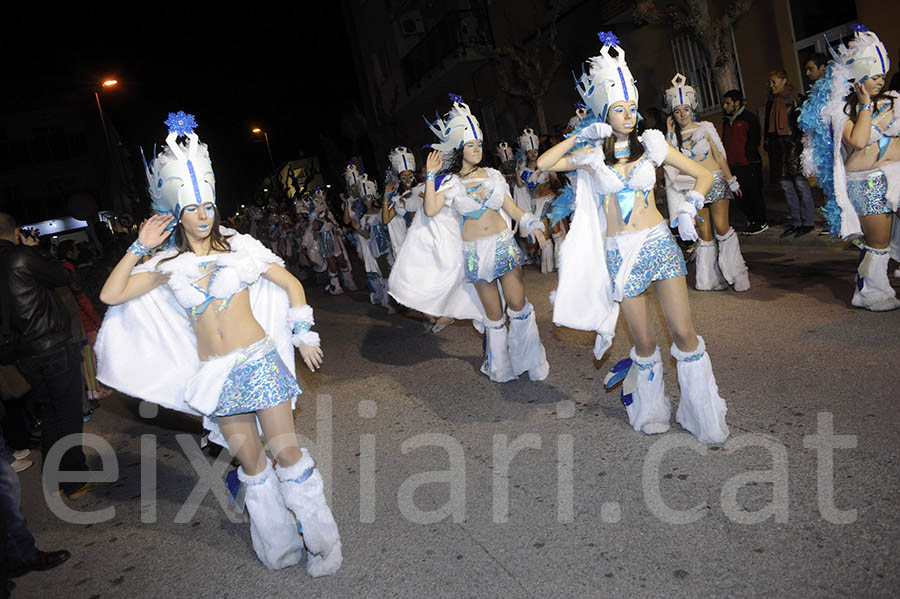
117 200
265 133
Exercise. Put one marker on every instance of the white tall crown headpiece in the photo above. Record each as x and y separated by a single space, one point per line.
680 94
504 151
351 178
865 55
182 174
366 186
456 128
402 159
608 79
528 140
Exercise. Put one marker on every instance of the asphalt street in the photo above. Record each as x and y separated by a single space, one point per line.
419 455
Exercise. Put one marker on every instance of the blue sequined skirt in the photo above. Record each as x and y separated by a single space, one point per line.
657 260
256 385
867 190
717 191
326 244
477 263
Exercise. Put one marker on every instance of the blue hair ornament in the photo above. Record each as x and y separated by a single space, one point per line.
608 38
456 98
181 123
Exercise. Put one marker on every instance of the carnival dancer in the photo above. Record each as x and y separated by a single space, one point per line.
717 267
330 244
618 243
372 243
532 191
402 197
850 144
206 326
575 121
490 256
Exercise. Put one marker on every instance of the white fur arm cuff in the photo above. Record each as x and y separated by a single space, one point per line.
694 198
300 319
529 223
733 184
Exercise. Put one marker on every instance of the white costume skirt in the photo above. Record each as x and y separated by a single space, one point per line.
633 267
491 257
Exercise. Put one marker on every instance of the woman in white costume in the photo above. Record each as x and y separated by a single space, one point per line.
532 192
402 197
372 243
206 326
330 245
717 268
474 203
850 144
619 243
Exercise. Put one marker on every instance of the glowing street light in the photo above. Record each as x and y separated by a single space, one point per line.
110 83
257 131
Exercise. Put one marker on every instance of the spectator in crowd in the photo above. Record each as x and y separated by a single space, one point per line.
783 144
741 137
815 67
46 356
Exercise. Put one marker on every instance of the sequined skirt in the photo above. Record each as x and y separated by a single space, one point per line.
491 257
717 191
867 191
326 244
658 259
256 385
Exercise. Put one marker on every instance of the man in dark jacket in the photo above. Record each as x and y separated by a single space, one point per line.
741 137
45 353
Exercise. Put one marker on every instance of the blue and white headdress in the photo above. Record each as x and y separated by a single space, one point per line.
351 179
528 140
402 159
457 127
865 55
608 79
680 94
182 174
504 151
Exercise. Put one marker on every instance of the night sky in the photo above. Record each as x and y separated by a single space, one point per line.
287 69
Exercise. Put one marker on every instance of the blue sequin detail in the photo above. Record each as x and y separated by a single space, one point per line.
507 256
868 194
657 260
717 191
257 385
694 357
326 244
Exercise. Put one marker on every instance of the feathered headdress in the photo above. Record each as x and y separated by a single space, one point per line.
608 79
402 159
865 55
182 174
680 94
456 128
528 140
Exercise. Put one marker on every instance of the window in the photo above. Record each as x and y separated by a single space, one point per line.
690 61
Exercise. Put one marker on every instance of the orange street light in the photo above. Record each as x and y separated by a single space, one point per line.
257 131
110 82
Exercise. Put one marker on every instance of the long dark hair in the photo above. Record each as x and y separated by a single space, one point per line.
454 165
217 241
635 148
851 103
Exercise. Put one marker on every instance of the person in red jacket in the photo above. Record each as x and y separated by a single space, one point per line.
741 137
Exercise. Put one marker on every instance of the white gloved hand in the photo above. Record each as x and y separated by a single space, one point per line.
733 184
686 213
595 132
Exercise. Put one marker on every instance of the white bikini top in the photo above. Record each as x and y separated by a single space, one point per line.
642 176
473 197
235 270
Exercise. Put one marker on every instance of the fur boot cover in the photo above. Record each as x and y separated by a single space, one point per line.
497 364
649 411
526 352
709 277
873 289
701 411
731 262
273 528
304 494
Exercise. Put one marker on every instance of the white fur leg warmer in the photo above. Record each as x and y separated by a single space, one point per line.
273 528
347 279
526 352
700 411
709 277
497 364
304 494
731 262
650 410
873 288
